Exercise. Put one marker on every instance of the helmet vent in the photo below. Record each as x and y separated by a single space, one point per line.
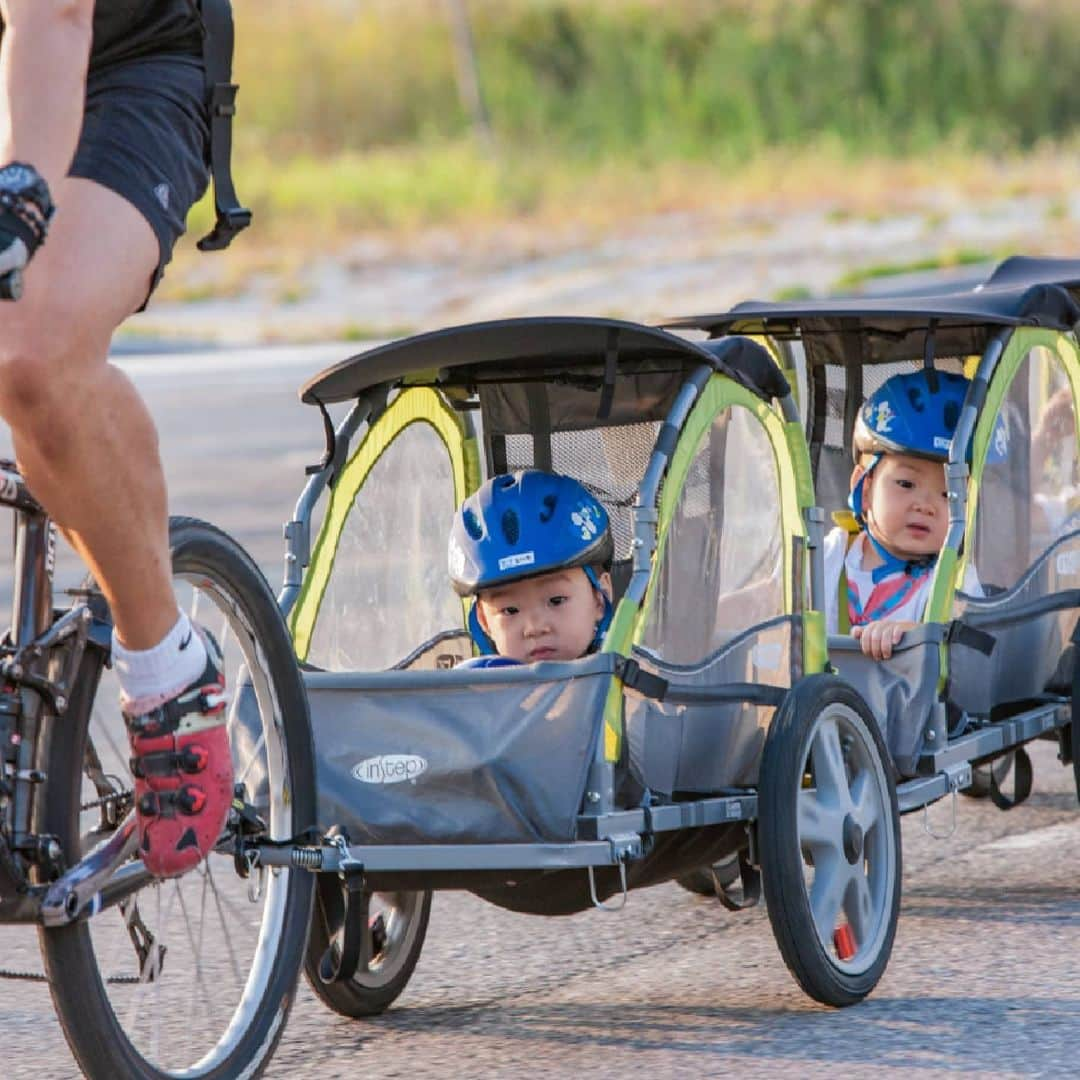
952 415
472 524
547 509
511 526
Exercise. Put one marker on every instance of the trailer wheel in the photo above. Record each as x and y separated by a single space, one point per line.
997 768
829 840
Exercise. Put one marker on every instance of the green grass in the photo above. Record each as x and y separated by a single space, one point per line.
793 292
350 116
856 279
684 78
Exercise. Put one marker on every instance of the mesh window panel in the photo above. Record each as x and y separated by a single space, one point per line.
836 389
834 464
609 461
873 377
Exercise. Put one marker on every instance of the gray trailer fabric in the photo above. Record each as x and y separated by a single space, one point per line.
701 749
1029 638
494 755
900 692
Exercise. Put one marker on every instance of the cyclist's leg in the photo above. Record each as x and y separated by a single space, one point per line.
89 449
82 434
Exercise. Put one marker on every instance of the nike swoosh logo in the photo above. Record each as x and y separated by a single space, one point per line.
186 642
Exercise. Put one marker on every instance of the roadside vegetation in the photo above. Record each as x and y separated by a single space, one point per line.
357 114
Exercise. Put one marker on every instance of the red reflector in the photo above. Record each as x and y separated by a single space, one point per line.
844 942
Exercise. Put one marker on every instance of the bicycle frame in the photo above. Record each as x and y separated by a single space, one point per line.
39 663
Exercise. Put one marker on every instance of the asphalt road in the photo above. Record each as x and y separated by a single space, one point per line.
983 978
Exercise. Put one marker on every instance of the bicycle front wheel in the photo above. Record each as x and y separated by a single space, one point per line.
195 975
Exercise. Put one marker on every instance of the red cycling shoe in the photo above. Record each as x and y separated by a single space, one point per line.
183 771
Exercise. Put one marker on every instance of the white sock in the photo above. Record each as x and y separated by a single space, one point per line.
163 671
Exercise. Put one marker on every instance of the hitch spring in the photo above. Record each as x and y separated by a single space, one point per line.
306 858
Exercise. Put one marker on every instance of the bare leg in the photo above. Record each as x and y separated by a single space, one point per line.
82 435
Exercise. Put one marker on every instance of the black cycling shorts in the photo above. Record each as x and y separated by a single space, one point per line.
146 136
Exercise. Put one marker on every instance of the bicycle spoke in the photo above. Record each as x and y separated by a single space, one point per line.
196 596
120 755
223 633
155 968
237 975
196 951
256 751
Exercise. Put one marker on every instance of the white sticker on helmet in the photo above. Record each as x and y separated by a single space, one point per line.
524 558
583 518
941 443
885 416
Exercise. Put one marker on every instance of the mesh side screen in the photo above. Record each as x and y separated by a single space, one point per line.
873 376
609 461
836 390
834 466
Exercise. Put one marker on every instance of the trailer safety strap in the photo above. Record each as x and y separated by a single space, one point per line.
331 441
979 640
749 879
349 949
657 688
1022 777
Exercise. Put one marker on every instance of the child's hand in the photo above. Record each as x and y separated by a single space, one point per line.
878 638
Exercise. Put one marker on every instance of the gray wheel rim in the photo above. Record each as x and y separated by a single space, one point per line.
846 834
401 912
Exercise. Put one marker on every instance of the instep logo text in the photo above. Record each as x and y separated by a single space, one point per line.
389 769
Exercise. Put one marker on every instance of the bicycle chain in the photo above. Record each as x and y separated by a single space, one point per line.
116 797
39 976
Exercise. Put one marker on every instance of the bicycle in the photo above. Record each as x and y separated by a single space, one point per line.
140 987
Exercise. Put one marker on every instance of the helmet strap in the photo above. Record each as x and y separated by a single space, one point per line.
893 564
476 632
890 563
855 498
605 619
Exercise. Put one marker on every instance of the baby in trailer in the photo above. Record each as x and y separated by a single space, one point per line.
535 550
879 562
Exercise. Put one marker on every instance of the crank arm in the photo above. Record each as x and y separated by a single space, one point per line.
79 892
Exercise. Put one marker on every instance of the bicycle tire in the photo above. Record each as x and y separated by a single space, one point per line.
104 1017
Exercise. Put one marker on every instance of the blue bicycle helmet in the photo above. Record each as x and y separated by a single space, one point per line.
520 525
914 413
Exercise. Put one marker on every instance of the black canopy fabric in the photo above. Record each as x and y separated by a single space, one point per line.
887 329
530 342
879 329
1022 270
527 348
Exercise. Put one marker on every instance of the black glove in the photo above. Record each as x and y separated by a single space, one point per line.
25 210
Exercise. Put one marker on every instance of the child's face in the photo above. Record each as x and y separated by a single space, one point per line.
906 505
548 617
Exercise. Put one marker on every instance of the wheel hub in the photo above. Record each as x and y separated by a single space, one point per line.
853 840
